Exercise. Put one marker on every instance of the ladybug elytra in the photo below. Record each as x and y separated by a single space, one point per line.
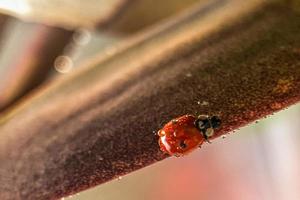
186 133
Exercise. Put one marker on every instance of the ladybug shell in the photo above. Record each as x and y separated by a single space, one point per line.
180 136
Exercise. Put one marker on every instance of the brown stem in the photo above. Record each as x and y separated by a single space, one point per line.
241 57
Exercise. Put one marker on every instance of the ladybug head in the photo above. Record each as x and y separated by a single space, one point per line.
207 125
215 122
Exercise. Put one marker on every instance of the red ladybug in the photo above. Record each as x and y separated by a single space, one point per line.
186 133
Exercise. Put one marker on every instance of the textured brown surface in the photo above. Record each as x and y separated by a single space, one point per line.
90 128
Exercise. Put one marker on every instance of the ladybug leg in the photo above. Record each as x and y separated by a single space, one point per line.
208 141
206 138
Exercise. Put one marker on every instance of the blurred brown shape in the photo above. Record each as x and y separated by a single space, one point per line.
3 20
65 13
137 15
238 56
119 16
27 57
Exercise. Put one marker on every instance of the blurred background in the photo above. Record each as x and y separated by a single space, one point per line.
41 40
260 161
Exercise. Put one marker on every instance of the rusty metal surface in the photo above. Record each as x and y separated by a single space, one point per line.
242 58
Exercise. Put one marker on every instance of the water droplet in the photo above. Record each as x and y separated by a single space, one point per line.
174 121
176 134
120 177
100 158
63 64
189 75
203 103
161 133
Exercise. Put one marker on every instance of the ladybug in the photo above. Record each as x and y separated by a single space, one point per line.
182 135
